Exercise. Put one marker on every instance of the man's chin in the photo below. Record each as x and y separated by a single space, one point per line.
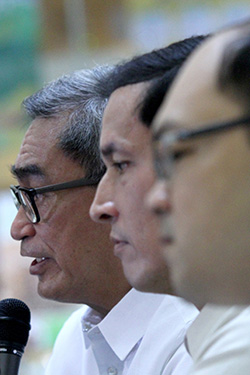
150 283
137 281
56 295
47 292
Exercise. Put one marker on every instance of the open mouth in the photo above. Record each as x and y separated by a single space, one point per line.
39 265
38 260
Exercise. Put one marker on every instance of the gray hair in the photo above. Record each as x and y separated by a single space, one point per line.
80 98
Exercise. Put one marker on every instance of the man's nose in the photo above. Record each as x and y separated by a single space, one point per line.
21 226
103 209
158 199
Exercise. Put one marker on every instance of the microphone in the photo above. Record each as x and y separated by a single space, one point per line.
14 333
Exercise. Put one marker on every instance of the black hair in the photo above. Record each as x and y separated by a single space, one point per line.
151 65
234 73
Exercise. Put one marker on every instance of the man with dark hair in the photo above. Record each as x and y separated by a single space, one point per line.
201 197
58 169
126 150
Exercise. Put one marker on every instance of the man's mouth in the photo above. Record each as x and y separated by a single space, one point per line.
39 265
119 245
37 260
166 233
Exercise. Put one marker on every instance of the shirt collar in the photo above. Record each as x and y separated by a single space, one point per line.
127 322
208 321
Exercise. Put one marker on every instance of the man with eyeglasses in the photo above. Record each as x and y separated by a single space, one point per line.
202 196
57 169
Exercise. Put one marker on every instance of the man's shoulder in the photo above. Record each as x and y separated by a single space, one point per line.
218 327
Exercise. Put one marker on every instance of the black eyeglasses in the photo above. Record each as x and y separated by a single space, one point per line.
25 197
164 153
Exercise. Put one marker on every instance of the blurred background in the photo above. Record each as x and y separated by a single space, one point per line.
39 41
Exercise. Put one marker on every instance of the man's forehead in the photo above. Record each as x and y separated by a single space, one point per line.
43 132
123 103
40 135
195 88
121 120
38 149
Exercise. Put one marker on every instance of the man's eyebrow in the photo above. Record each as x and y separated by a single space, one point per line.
165 128
109 149
24 172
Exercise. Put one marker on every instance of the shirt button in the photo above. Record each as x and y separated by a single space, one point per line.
86 327
112 371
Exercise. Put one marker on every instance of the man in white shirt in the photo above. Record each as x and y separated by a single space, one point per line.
126 150
202 158
57 169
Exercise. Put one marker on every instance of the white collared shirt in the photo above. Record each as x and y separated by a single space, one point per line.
143 334
219 341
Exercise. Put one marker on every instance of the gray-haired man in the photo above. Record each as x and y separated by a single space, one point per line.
72 256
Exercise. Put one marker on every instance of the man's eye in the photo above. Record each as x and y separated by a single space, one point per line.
121 166
179 154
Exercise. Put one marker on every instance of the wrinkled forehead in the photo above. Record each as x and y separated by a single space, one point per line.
195 97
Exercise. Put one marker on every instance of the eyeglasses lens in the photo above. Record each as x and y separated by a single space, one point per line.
15 198
26 203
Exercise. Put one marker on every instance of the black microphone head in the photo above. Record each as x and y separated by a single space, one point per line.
14 322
